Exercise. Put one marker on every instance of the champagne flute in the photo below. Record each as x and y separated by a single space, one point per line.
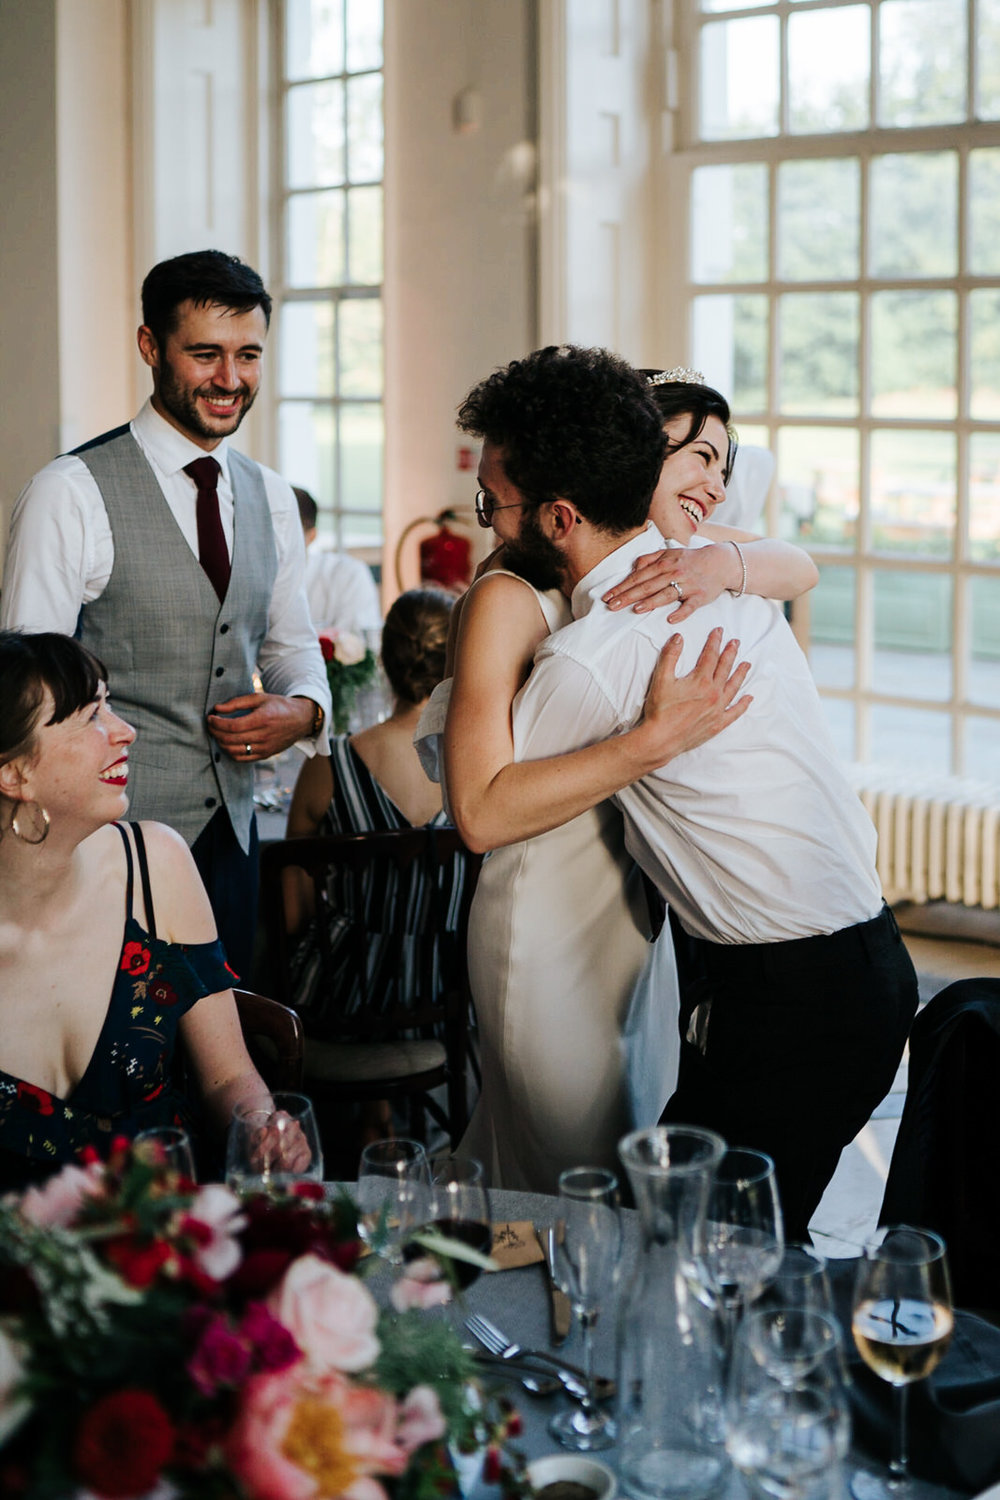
588 1249
167 1146
459 1209
394 1181
273 1144
902 1325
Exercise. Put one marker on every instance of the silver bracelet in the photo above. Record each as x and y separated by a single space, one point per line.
743 564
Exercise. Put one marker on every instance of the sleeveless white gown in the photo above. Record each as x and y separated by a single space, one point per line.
577 1010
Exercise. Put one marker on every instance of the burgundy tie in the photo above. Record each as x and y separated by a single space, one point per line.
212 550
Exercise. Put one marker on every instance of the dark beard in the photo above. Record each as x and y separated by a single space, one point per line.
184 409
533 557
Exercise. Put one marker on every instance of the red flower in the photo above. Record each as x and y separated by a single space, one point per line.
327 647
122 1443
492 1465
138 1264
35 1098
135 958
162 993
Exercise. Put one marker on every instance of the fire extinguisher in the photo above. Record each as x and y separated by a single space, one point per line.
445 557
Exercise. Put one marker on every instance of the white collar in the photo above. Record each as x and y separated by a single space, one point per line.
170 449
613 567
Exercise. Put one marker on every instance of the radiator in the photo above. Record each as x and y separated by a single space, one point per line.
938 836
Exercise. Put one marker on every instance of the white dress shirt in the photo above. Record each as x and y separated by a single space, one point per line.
341 591
754 837
60 553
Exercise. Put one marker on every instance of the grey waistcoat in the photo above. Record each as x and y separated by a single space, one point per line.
171 650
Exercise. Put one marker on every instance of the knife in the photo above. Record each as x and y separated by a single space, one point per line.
561 1311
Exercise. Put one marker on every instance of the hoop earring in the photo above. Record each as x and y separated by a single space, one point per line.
41 824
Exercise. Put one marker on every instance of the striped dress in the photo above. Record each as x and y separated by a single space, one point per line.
390 900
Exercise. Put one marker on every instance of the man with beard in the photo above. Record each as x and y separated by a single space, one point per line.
179 562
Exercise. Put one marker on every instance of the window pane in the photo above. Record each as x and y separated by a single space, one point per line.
306 366
984 497
913 493
988 60
911 737
818 219
981 738
362 531
305 448
921 62
984 649
314 38
912 635
831 628
360 348
316 239
839 715
914 350
984 354
364 128
315 135
361 441
828 69
739 78
729 340
984 212
364 235
914 214
364 34
818 471
729 223
819 353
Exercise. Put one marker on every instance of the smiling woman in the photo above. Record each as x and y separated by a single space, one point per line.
108 950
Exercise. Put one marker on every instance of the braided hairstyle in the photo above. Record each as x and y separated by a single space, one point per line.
414 639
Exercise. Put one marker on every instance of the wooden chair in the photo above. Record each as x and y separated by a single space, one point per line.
381 974
275 1040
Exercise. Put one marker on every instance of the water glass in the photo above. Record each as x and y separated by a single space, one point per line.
168 1146
273 1145
394 1179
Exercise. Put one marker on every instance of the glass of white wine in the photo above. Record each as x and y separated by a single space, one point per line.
902 1322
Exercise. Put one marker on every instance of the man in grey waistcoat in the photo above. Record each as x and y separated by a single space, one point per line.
179 562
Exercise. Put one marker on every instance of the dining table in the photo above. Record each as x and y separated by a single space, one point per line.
518 1302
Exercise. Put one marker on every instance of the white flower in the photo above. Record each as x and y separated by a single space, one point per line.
217 1210
348 648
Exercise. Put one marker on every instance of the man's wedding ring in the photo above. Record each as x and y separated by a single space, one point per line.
675 585
249 749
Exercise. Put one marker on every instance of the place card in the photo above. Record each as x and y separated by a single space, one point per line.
515 1244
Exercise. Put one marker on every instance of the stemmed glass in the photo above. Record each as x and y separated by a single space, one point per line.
273 1145
167 1146
459 1210
902 1324
588 1248
800 1281
744 1235
394 1180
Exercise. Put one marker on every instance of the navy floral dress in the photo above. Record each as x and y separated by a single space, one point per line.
129 1084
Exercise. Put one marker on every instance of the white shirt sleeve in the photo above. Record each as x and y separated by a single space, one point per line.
59 551
561 707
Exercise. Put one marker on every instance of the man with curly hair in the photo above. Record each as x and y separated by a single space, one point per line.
797 992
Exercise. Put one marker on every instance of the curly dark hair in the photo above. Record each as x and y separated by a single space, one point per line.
208 278
30 663
680 398
414 638
574 423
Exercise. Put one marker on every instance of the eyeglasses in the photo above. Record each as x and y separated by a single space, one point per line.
485 508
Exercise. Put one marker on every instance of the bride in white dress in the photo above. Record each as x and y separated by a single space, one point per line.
577 1010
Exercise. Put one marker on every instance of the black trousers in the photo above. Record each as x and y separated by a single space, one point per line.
799 1043
231 879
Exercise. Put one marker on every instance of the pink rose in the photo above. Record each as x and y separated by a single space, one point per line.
422 1285
56 1203
214 1220
330 1316
297 1438
420 1420
348 648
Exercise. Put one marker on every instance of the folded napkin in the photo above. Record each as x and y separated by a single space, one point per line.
953 1422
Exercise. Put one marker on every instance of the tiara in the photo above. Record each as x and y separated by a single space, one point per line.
679 375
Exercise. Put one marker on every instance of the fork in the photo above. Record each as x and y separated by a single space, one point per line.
572 1376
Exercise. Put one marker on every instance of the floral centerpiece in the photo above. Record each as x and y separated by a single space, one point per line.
350 666
165 1340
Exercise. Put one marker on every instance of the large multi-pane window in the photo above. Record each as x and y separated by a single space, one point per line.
330 380
842 178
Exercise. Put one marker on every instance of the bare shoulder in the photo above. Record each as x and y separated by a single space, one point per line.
183 913
502 601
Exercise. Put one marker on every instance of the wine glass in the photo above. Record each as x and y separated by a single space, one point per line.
588 1248
273 1144
167 1146
744 1237
459 1210
902 1324
393 1186
800 1281
787 1415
